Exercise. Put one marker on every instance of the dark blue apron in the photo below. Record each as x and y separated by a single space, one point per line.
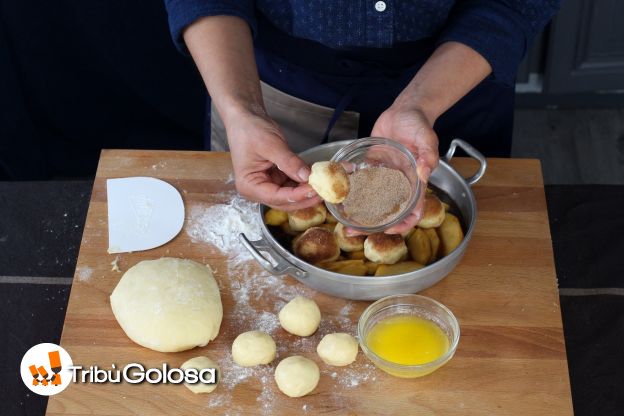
367 81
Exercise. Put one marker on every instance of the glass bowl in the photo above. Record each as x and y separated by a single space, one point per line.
411 305
373 151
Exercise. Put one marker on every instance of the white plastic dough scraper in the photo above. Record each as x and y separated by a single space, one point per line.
143 213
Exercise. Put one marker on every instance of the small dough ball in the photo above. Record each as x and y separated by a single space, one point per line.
253 348
168 305
385 248
301 316
433 212
201 363
302 219
297 376
315 245
330 181
275 217
338 349
348 244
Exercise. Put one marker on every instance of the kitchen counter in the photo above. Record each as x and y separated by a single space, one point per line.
523 339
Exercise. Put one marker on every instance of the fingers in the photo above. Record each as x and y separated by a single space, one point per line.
408 223
427 160
411 220
350 232
310 202
259 187
288 162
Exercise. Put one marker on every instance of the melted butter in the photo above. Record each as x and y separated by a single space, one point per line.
407 340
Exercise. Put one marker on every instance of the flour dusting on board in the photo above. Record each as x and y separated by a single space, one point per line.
257 299
221 224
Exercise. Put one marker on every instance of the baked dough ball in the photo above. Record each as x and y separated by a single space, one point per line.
433 212
348 244
338 349
301 316
330 181
297 376
303 219
315 245
385 248
168 304
202 363
253 348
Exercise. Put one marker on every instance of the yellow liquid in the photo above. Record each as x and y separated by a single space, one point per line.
407 340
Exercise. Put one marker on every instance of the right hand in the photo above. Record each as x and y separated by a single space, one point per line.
265 169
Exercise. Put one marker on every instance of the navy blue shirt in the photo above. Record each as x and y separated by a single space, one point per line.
500 30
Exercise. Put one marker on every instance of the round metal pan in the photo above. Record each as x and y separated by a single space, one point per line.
278 260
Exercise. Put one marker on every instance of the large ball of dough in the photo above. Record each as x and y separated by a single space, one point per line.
201 363
330 181
433 212
302 219
385 248
346 243
297 376
168 304
315 245
301 316
338 349
253 348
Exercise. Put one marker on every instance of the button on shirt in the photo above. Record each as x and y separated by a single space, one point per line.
500 30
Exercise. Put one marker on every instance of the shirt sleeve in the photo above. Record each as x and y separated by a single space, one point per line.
500 30
184 12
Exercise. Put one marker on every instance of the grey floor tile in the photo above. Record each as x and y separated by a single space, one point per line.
580 146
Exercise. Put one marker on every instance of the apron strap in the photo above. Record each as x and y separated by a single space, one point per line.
344 102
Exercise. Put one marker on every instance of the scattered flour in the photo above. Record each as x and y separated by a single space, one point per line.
115 265
257 299
84 273
221 224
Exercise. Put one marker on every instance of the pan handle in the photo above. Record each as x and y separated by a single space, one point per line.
472 152
278 266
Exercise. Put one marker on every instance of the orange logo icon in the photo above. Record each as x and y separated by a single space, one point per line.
55 366
45 369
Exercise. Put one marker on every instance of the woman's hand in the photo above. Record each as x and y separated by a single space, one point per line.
265 169
411 127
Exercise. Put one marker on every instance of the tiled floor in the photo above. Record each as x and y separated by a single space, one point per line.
575 146
40 232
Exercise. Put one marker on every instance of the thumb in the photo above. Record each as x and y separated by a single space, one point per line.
426 162
289 163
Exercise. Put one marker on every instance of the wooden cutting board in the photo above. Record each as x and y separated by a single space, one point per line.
511 357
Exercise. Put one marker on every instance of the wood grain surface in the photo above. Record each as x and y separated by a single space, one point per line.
511 357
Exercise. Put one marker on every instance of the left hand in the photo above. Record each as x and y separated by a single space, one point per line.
410 127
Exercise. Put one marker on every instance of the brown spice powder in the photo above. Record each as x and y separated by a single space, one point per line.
377 195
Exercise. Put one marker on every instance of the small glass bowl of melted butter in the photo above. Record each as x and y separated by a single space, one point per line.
408 335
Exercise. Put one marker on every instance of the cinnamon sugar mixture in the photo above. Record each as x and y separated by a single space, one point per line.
377 195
